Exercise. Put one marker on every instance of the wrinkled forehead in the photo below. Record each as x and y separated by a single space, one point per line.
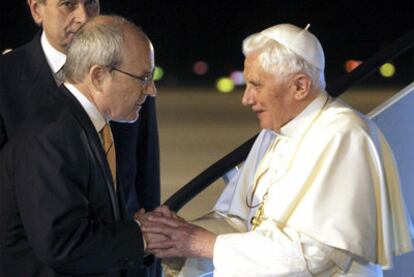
252 62
251 57
57 1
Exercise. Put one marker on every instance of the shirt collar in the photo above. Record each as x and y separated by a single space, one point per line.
54 58
301 121
96 117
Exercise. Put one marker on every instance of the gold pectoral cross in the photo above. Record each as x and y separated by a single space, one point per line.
259 217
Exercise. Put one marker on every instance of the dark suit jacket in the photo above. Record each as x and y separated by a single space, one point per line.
59 212
26 84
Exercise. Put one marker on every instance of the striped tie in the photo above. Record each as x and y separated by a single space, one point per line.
59 77
109 147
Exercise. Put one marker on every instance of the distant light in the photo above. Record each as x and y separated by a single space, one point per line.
200 67
5 51
351 65
158 73
238 78
387 70
225 85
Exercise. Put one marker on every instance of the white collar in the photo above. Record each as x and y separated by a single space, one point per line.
96 117
54 58
301 121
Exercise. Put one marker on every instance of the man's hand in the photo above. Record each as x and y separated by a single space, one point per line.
142 218
165 211
182 239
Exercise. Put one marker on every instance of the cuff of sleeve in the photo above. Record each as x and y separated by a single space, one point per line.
143 238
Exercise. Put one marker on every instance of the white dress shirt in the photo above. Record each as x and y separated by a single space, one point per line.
95 116
54 58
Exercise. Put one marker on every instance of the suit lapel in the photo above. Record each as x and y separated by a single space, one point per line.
94 143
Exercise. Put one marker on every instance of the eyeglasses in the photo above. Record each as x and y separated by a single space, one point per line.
144 79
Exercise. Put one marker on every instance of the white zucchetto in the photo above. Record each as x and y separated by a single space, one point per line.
300 41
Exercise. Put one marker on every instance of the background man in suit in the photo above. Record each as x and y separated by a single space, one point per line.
30 74
62 212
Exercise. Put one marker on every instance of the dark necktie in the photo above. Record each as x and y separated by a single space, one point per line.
59 77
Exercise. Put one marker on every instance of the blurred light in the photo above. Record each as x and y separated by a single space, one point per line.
238 78
158 73
200 68
5 51
387 70
351 65
225 85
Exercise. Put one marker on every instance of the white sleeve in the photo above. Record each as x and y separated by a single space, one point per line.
271 252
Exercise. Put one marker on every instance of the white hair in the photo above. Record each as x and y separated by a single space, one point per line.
94 44
277 59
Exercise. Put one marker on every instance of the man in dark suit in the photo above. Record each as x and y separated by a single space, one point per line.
30 74
61 210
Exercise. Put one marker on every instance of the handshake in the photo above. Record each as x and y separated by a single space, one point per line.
168 235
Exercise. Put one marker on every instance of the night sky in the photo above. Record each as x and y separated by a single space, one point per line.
189 30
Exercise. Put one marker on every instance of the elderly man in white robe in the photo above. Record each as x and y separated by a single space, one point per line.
323 198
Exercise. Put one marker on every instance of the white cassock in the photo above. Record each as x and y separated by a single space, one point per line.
333 207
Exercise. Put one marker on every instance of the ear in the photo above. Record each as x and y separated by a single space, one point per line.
36 11
302 85
98 75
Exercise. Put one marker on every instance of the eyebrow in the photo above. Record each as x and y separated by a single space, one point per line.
254 82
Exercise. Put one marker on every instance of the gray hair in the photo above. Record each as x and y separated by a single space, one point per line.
277 59
96 43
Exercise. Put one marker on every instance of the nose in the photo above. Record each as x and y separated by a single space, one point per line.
81 14
150 89
248 98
